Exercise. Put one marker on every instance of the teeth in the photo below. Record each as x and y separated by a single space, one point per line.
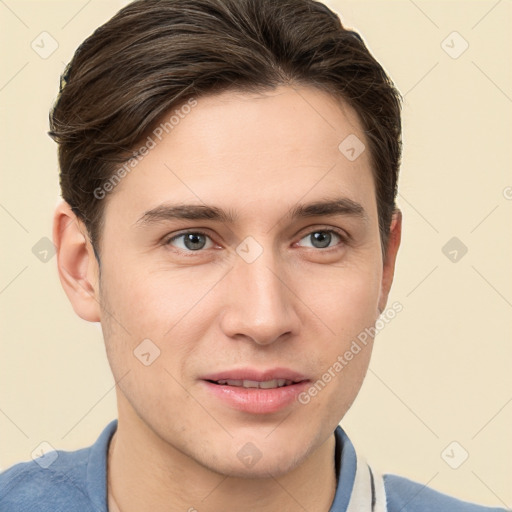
268 384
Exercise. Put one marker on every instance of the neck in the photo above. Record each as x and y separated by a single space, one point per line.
144 477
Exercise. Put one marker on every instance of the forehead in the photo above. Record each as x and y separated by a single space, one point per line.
245 149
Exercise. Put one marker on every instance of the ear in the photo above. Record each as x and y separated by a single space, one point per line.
395 234
77 266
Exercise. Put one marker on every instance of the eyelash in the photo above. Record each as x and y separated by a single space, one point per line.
343 239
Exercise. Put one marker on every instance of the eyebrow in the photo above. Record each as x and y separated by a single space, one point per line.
340 206
165 212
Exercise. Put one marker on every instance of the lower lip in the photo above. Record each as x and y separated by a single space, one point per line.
256 400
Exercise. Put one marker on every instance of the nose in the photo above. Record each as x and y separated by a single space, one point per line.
261 305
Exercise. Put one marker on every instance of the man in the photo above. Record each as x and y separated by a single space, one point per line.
228 174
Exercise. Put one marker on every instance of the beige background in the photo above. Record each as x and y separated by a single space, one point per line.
441 368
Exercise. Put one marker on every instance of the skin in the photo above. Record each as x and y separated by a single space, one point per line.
296 306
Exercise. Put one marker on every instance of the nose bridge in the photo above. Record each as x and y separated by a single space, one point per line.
260 306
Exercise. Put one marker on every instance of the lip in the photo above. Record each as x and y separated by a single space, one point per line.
254 374
256 400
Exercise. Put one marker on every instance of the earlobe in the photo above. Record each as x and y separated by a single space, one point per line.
77 266
395 235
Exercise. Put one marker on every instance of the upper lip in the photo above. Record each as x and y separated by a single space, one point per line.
256 375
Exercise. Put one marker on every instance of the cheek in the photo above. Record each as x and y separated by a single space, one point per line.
161 313
346 304
146 366
345 299
153 302
349 309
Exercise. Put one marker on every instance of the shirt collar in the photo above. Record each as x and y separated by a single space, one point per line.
345 464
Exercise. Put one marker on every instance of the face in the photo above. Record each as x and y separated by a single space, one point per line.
264 276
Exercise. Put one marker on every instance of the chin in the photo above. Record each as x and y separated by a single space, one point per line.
280 465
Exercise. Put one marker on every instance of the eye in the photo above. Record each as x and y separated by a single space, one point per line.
322 238
190 241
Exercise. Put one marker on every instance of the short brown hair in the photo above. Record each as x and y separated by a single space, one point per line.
154 55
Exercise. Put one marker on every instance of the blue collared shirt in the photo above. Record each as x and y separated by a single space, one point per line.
64 481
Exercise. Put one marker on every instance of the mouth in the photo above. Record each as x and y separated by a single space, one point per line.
267 384
256 392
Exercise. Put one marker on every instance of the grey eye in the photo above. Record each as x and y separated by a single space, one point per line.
320 239
191 241
194 241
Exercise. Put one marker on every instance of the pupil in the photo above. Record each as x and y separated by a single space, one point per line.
321 239
194 241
